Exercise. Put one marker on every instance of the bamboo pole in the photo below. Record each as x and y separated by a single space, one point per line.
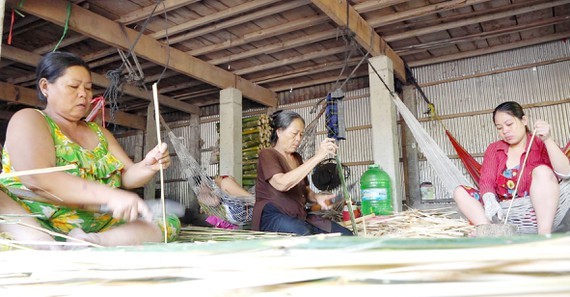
157 122
2 10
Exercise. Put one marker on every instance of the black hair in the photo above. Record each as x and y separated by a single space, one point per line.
53 65
512 108
281 119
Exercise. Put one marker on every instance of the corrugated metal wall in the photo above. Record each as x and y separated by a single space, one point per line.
469 102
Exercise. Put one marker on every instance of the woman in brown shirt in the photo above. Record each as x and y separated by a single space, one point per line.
282 188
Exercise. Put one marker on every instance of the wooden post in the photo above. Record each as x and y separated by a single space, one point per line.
411 165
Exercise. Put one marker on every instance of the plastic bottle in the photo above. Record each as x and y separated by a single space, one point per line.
376 191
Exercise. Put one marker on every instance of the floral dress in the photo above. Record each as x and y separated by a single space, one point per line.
95 165
506 184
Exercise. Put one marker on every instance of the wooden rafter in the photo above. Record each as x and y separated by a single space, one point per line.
117 35
373 5
26 96
364 33
143 13
493 49
474 20
261 34
271 10
32 59
214 17
421 12
292 60
412 49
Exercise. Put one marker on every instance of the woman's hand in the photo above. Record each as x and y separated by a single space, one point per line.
128 206
157 157
327 148
322 199
542 129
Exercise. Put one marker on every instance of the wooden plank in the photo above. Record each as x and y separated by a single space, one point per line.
143 13
373 5
117 35
31 59
489 50
474 20
364 33
212 18
26 96
262 34
277 46
292 60
417 48
420 12
275 9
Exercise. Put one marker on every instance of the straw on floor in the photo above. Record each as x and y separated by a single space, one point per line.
413 223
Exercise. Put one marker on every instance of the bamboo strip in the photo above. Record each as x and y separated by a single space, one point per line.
38 171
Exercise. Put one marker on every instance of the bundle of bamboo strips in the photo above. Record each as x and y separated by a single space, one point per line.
204 234
256 134
413 223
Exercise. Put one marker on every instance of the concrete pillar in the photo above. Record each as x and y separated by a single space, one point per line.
411 164
384 128
230 133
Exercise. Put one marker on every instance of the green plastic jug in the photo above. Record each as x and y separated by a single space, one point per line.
376 191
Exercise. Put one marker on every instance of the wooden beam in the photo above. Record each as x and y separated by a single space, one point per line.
420 12
373 5
425 46
26 96
292 60
475 20
306 71
32 59
319 81
364 33
143 13
262 34
213 17
117 35
274 9
276 46
489 50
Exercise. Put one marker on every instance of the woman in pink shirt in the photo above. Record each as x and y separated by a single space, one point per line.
502 163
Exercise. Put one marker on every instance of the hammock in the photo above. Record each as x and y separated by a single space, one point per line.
236 210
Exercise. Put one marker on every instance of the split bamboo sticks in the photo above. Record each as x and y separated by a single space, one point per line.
413 223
